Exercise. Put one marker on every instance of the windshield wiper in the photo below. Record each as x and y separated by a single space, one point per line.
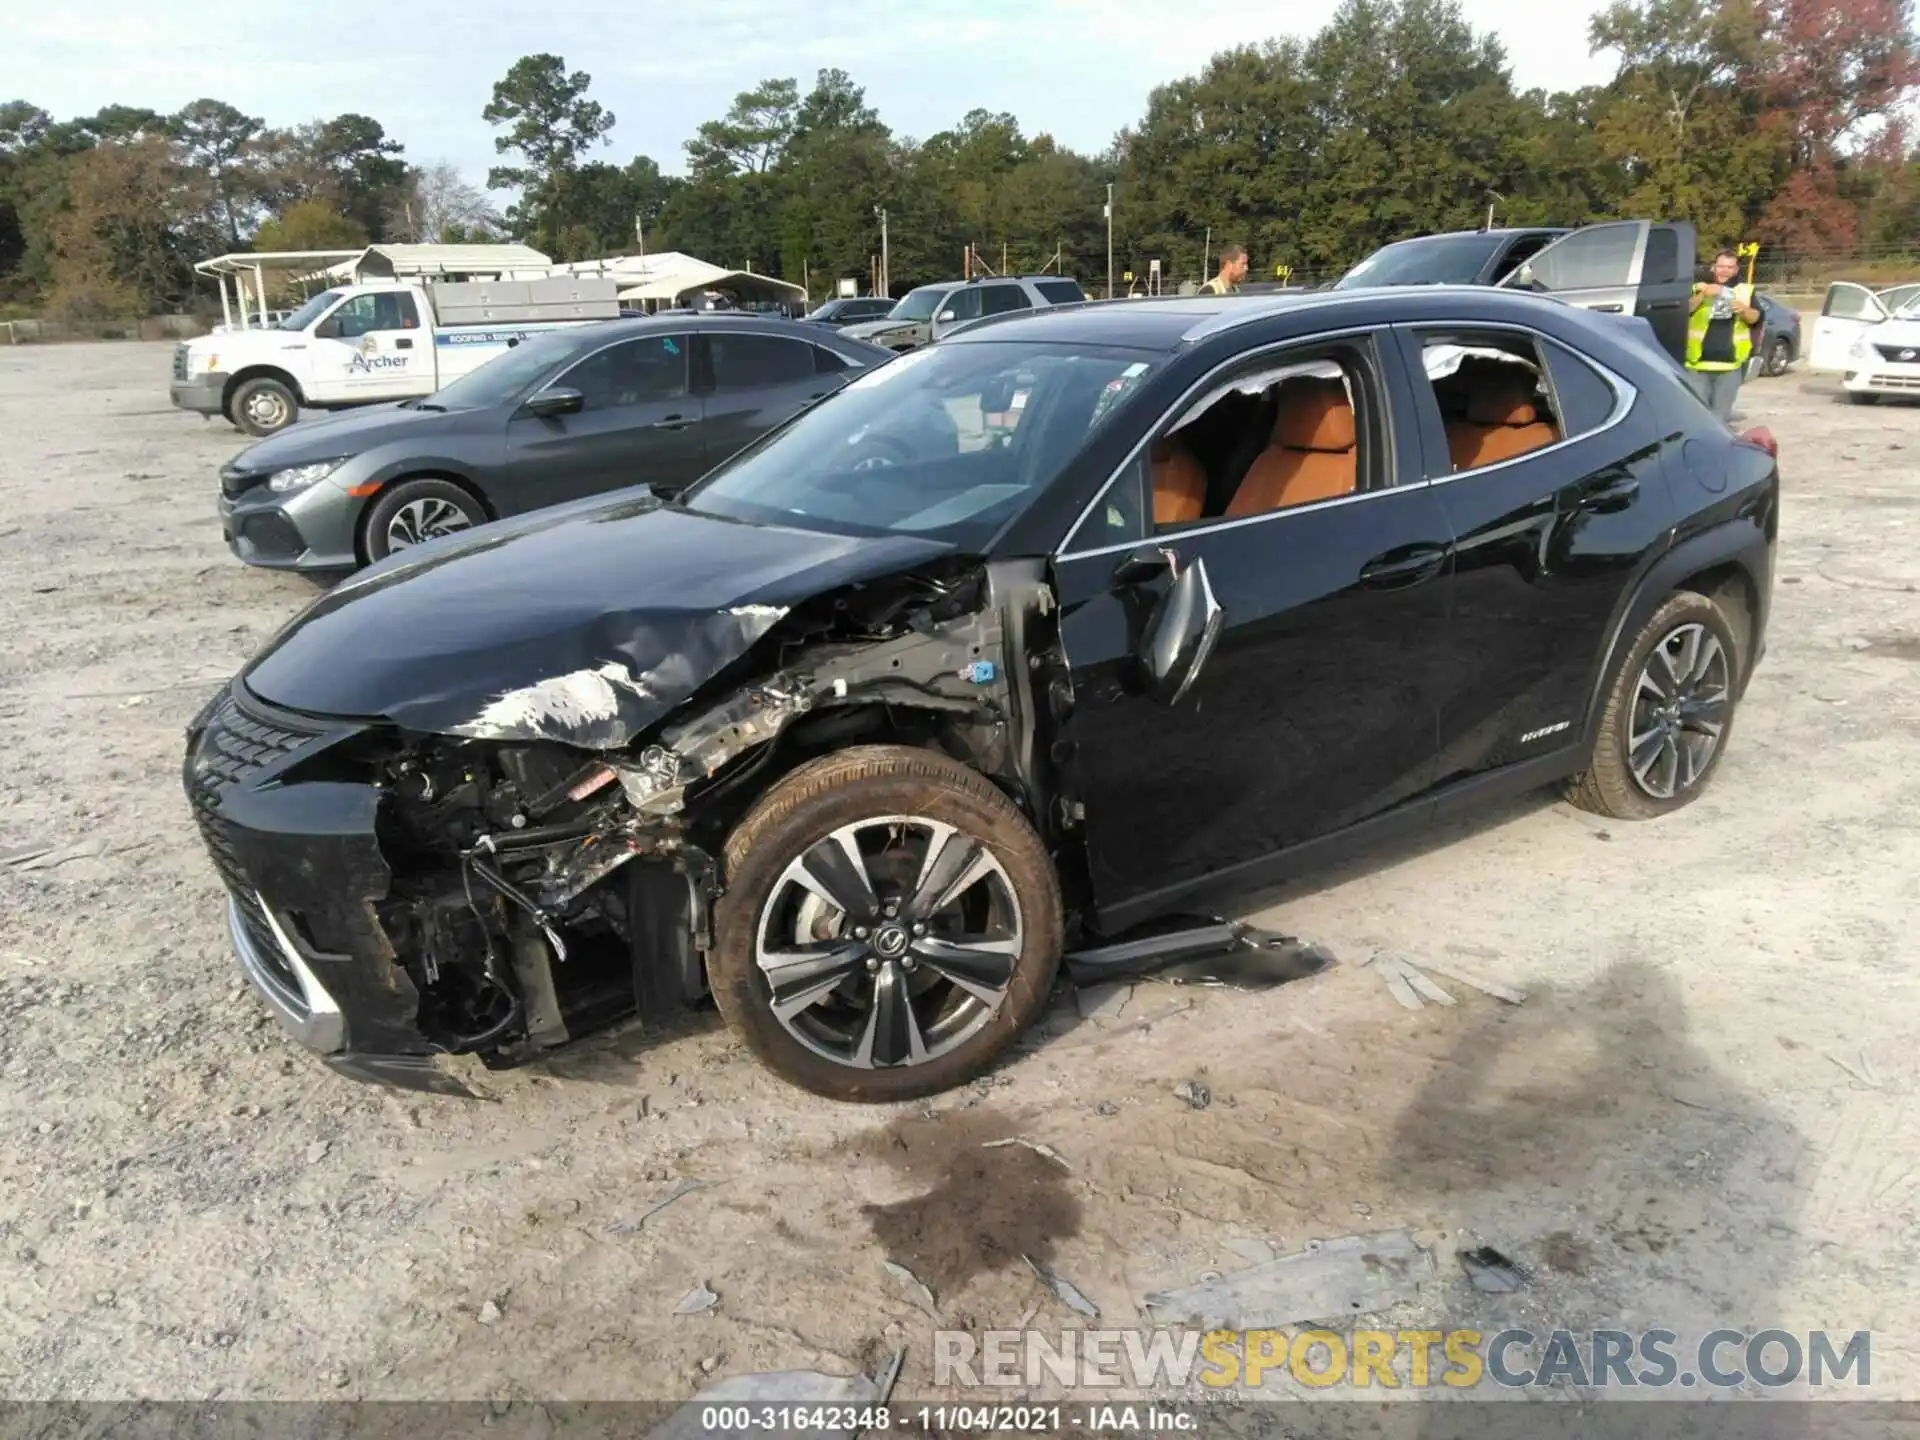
429 405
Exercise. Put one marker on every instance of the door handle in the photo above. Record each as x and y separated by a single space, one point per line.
1663 305
403 343
1608 309
672 422
1398 569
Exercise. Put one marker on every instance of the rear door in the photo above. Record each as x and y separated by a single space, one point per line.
1848 312
638 424
755 381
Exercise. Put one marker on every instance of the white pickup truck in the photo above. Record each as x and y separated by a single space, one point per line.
379 341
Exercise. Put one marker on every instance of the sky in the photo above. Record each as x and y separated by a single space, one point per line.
1076 69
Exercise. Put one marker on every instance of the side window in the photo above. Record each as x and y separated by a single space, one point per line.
962 304
1586 400
359 316
752 362
1002 299
1060 292
1588 259
1289 430
1662 263
825 362
632 373
1523 251
1493 394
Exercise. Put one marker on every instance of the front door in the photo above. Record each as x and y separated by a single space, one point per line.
638 424
1848 312
372 348
1316 709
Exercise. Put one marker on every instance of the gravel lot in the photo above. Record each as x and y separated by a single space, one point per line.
1703 1114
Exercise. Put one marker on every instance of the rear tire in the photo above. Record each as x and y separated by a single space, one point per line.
1652 755
879 799
1779 357
416 511
263 407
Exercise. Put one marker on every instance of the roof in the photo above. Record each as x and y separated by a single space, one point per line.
398 260
246 262
671 274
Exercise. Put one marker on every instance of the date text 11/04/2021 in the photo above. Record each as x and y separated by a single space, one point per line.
947 1419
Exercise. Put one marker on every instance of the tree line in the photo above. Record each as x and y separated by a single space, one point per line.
1769 120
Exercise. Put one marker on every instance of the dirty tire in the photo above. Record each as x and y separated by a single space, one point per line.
842 789
428 498
1608 786
1862 397
263 407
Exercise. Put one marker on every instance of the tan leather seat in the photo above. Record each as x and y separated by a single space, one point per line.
1312 453
1179 484
1501 423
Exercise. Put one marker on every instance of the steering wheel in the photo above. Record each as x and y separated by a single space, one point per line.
880 452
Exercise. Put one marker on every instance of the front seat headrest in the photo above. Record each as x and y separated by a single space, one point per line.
1314 415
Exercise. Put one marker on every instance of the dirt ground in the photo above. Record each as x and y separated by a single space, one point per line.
1702 1114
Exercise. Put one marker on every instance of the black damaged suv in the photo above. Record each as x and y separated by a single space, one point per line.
862 731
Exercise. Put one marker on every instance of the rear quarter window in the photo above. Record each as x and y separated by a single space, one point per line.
1060 292
1586 399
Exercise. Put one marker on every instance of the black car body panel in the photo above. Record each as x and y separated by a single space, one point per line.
513 461
1372 660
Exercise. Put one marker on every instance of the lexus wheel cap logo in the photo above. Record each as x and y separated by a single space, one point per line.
890 942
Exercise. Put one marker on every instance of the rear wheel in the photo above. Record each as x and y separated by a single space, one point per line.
891 924
1779 356
1668 716
416 511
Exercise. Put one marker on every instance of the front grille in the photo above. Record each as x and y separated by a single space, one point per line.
180 362
1900 354
232 749
1895 382
235 482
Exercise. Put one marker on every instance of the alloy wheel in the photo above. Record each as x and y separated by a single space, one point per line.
422 520
891 941
1680 710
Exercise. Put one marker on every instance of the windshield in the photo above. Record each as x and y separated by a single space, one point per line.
311 311
507 376
1440 260
919 304
948 443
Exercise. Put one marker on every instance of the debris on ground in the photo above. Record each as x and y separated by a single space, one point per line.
317 1151
1863 1072
1254 1252
1412 987
1068 1293
490 1313
629 1227
1188 950
697 1301
836 1394
917 1292
48 858
1493 1272
1101 1002
1329 1280
1196 1094
1047 1151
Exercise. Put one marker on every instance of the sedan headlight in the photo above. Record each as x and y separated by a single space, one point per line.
299 477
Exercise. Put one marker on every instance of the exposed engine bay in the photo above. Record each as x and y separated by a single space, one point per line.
544 887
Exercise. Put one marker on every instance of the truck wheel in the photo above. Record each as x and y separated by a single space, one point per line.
416 511
890 925
261 407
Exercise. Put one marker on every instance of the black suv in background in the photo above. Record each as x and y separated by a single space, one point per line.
850 310
925 314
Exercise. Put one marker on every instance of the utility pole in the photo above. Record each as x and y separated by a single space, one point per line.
1206 255
1108 240
886 278
640 234
1493 197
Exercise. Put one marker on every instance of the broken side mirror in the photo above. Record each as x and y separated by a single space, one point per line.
1180 634
556 400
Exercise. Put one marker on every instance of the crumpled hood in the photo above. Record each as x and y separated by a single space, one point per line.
584 624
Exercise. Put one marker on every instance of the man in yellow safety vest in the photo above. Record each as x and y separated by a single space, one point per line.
1233 269
1720 335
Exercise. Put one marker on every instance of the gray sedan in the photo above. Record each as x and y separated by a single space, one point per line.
575 413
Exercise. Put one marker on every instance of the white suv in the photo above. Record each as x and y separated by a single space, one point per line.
922 316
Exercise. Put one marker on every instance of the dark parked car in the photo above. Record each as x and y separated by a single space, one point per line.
867 726
850 310
572 413
1778 341
1464 257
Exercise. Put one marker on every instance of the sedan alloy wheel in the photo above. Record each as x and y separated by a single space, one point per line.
1680 709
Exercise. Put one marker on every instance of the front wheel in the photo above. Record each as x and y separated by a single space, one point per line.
891 924
416 511
1667 717
263 407
1862 397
